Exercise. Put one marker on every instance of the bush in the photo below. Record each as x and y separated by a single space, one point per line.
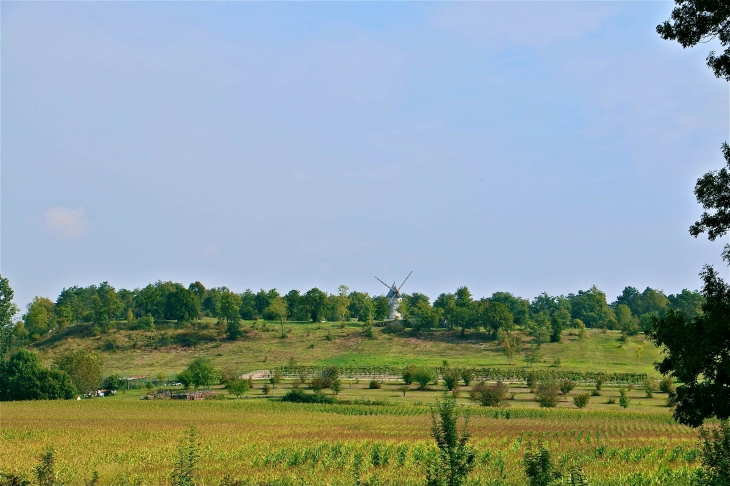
451 378
566 386
666 385
300 396
409 374
599 384
23 377
423 377
237 387
547 393
183 474
532 382
467 376
539 467
715 455
375 385
265 389
624 399
581 400
490 395
650 386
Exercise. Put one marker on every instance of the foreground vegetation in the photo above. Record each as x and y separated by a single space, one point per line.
128 441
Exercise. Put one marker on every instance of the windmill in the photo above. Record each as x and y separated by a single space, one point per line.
394 297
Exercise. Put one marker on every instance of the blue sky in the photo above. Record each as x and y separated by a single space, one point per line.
523 147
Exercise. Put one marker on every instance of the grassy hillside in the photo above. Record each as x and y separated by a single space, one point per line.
169 351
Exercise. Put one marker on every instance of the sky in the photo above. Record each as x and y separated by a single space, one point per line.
506 146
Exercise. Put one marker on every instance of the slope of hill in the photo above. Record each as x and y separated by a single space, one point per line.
169 351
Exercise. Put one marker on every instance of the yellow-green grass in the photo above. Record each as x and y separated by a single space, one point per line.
129 441
308 344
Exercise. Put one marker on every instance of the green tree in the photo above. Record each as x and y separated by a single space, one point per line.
39 318
23 377
497 316
590 307
83 367
316 303
698 354
698 21
113 382
447 304
8 310
519 307
237 387
455 458
627 322
342 303
382 308
228 306
277 310
182 304
687 302
202 373
713 192
295 306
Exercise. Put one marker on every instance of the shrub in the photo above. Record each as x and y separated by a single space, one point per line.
467 376
611 401
275 378
23 377
566 386
539 467
599 384
451 378
404 389
423 377
454 459
623 399
409 374
300 396
581 400
715 454
547 393
183 474
265 389
45 471
532 382
666 385
672 399
490 395
375 385
650 386
237 387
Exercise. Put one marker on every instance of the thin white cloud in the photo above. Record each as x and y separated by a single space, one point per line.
65 222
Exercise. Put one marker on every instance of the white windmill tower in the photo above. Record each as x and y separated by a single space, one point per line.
394 297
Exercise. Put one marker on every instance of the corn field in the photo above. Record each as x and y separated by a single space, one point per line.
268 442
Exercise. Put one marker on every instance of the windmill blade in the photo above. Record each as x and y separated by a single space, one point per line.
382 281
404 282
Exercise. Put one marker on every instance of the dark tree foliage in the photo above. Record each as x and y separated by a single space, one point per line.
698 354
713 192
23 377
698 21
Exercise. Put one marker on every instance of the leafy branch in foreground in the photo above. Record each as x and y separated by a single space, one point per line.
455 458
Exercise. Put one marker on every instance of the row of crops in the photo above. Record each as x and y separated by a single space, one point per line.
269 442
488 374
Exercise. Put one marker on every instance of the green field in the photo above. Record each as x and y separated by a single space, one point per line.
137 352
258 439
129 441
